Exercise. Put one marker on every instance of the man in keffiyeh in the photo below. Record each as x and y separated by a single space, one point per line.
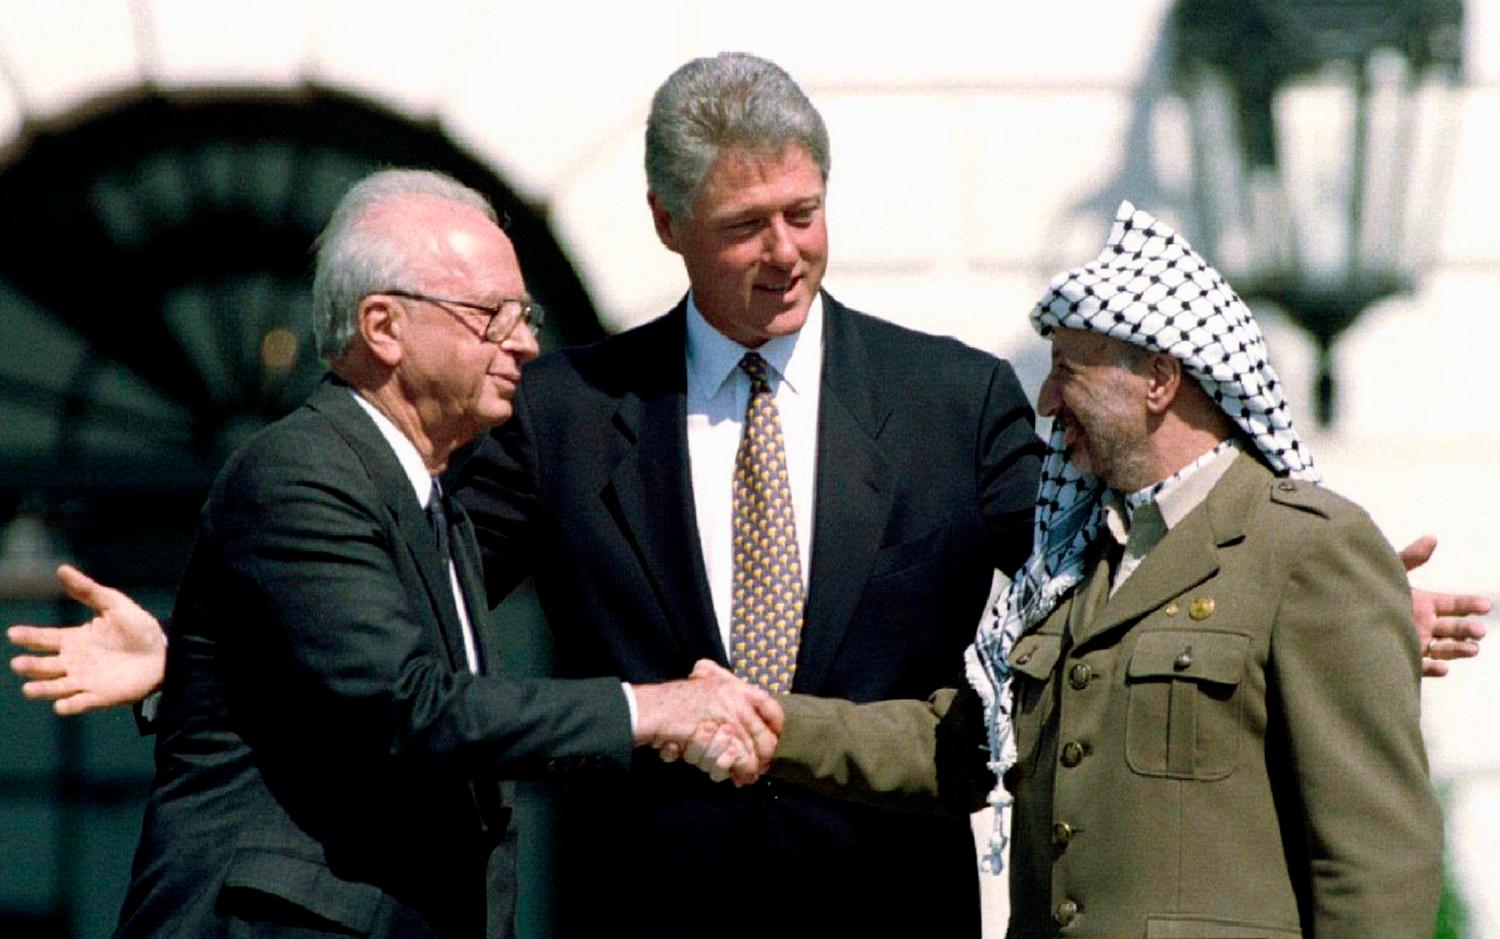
1201 691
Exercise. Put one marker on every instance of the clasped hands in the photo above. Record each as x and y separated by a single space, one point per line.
712 720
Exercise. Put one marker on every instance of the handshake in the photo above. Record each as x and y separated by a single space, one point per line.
712 720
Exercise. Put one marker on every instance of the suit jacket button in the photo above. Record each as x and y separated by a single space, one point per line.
1062 833
1079 675
1066 913
1072 753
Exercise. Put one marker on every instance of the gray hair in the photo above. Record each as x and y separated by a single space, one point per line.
732 100
355 260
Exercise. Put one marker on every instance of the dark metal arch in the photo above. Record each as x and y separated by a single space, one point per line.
163 238
109 215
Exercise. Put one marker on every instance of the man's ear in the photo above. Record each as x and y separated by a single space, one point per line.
382 324
1163 381
666 227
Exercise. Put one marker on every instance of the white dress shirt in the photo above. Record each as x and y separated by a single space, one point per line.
717 394
421 484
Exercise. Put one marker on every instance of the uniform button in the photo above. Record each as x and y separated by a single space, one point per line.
1062 833
1072 753
1066 912
1184 660
1079 675
1023 658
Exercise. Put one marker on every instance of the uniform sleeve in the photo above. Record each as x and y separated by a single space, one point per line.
907 755
1346 672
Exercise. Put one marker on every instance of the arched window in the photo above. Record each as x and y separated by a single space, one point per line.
155 273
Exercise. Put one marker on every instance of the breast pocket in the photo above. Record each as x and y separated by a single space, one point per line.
893 560
1032 661
1184 717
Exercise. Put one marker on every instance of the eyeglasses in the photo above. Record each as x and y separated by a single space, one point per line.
504 317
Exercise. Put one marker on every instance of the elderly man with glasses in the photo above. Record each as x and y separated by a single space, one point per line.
333 733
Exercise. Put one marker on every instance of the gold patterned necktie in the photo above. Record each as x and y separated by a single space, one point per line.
765 619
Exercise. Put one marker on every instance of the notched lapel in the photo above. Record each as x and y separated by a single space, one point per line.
853 502
1189 554
1186 556
654 497
334 400
412 526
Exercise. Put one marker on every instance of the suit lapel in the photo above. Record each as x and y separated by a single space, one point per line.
334 400
653 490
1188 555
854 495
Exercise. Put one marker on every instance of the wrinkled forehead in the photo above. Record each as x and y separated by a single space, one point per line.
450 243
1085 347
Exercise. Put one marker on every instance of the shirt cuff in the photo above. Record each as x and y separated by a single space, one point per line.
630 704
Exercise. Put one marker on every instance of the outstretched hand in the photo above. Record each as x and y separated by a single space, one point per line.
711 720
118 657
1445 630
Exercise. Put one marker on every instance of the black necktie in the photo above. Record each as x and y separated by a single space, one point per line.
437 517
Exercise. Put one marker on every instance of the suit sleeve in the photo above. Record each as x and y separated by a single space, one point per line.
1346 671
902 755
1010 466
324 638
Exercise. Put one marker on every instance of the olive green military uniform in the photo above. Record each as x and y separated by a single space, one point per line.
1227 746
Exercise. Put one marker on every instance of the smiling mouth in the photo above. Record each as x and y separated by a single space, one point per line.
779 288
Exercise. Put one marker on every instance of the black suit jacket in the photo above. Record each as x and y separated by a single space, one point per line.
927 473
324 758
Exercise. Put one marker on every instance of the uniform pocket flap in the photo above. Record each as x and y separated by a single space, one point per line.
1035 655
307 884
1192 656
1190 927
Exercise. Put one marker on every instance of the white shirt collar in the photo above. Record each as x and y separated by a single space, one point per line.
1185 490
406 451
1175 496
712 357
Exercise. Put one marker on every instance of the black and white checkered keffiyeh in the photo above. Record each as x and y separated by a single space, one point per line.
1149 288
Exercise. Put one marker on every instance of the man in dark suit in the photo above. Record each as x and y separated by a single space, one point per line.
333 732
912 470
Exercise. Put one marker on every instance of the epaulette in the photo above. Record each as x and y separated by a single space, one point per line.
1309 497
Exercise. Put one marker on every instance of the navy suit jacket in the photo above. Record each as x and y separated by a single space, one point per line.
325 761
926 479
